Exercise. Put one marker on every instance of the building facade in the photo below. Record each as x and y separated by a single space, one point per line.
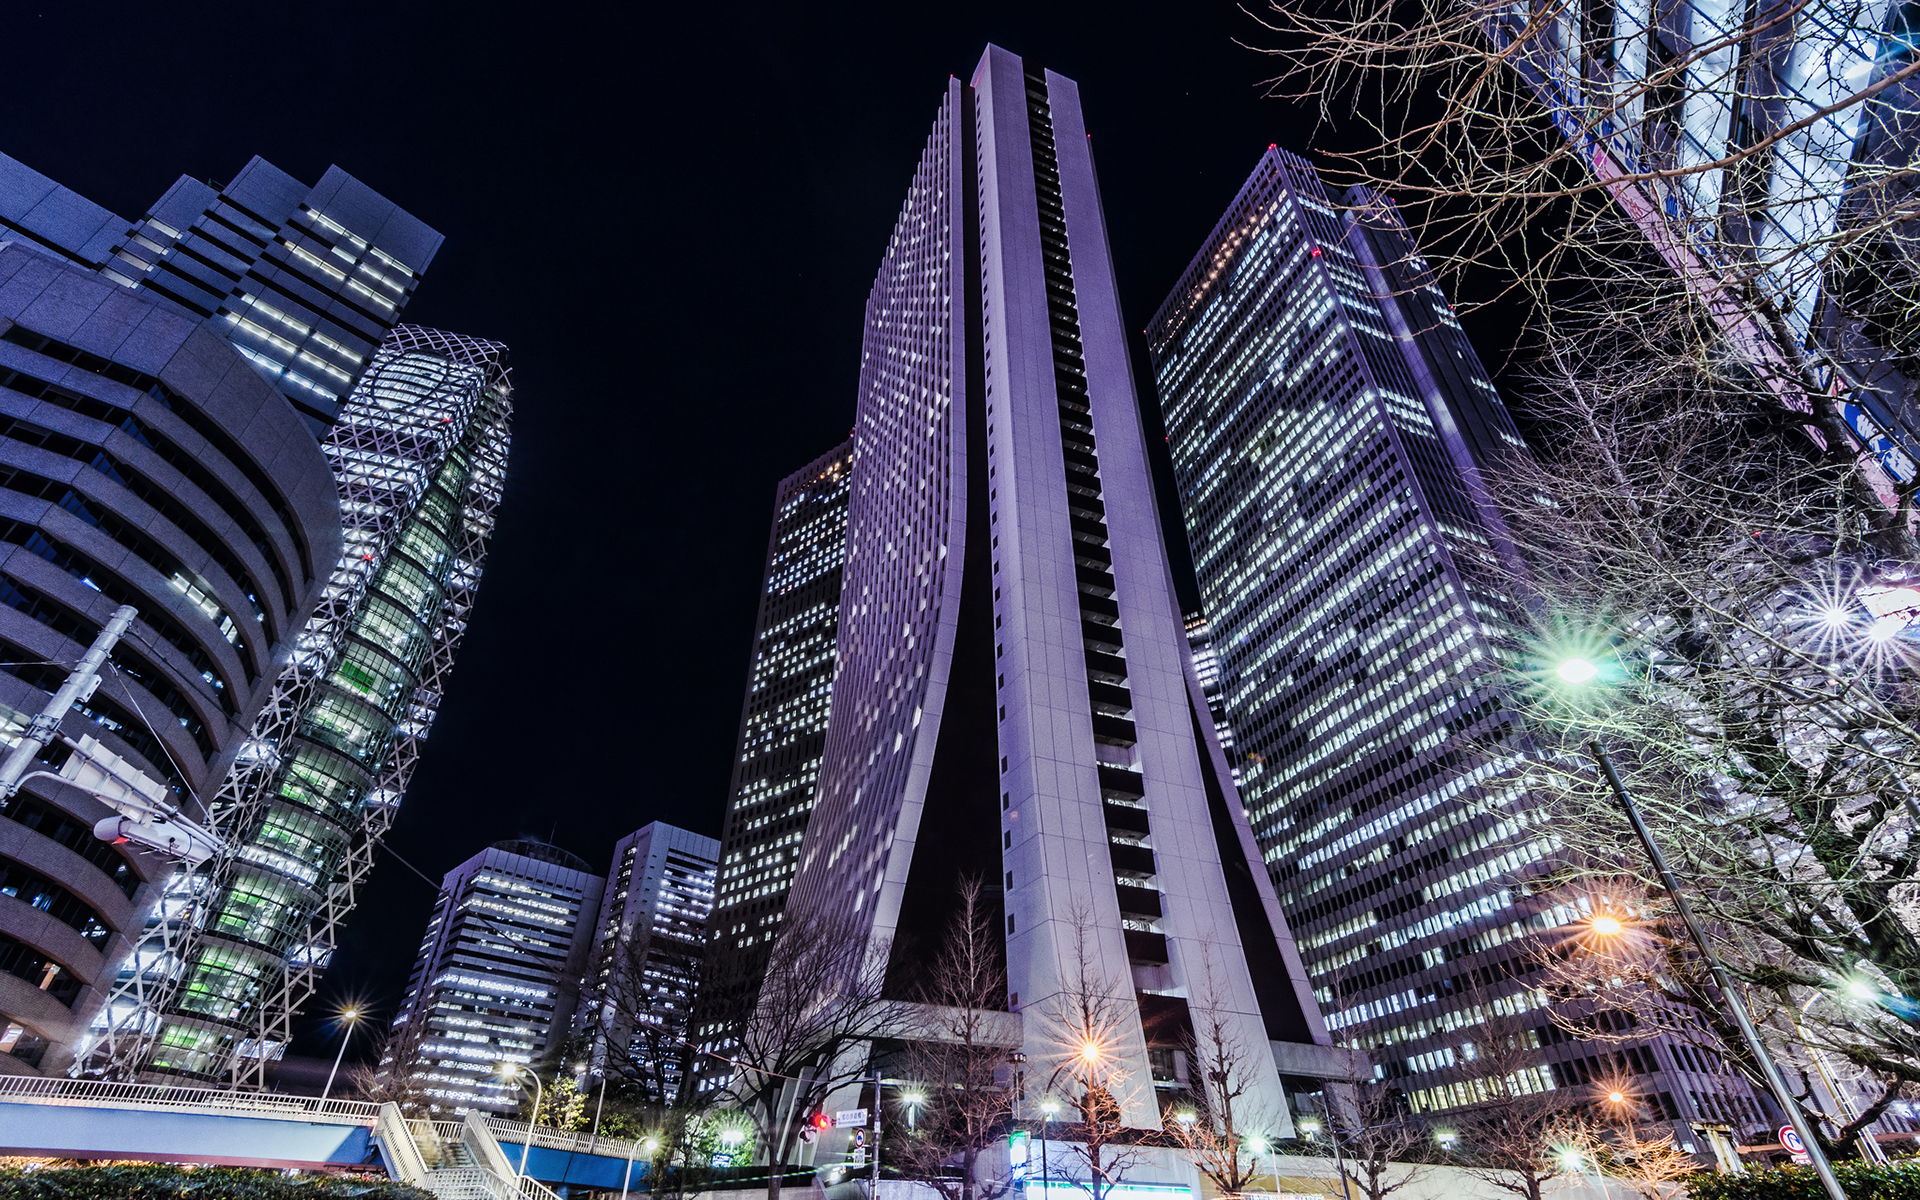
143 463
1332 433
1814 110
419 453
649 942
783 729
1014 697
498 975
302 281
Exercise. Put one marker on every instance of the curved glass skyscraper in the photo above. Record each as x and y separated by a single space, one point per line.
419 454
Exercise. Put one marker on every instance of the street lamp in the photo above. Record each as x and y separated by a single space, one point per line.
1581 670
580 1070
1048 1108
348 1016
913 1100
1260 1145
510 1072
1606 925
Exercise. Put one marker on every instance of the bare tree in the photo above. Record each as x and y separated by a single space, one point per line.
1086 1019
1564 140
1212 1127
1381 1143
394 1076
637 1017
1757 690
820 1008
1516 1132
956 1062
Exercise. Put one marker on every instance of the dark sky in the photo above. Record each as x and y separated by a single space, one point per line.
671 214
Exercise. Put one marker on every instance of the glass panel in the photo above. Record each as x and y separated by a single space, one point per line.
393 631
268 911
408 586
374 677
328 785
357 730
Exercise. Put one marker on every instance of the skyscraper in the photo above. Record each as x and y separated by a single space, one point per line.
498 974
649 940
419 452
783 728
1014 697
1331 429
141 463
303 281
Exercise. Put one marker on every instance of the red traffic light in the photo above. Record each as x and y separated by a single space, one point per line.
822 1121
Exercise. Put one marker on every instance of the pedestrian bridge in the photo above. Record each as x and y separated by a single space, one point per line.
457 1160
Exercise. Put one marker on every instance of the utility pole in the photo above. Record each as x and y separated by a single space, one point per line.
79 687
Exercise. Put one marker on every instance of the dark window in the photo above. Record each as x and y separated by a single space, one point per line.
29 886
76 835
24 962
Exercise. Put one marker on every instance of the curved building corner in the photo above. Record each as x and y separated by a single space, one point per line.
142 462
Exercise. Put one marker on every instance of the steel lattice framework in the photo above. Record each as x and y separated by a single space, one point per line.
237 946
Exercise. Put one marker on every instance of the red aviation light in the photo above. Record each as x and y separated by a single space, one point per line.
1315 252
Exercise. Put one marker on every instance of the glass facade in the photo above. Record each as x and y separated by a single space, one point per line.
419 453
498 974
649 942
783 728
1329 425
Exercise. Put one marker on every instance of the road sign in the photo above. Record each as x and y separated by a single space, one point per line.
1791 1140
848 1118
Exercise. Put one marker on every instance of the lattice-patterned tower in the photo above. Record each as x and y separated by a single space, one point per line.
420 457
1014 694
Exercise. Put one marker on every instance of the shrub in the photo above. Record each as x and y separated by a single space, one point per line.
1860 1181
160 1181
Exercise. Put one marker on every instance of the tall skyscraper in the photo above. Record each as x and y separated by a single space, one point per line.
1014 697
1331 427
649 941
303 281
141 463
419 452
306 285
783 728
498 973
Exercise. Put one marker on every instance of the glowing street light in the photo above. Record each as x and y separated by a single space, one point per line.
1581 670
913 1101
1090 1052
1577 670
348 1017
1616 1097
511 1072
1606 925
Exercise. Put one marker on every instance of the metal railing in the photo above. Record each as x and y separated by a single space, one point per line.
397 1146
160 1097
548 1138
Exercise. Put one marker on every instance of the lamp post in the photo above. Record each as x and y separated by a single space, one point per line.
1579 671
511 1073
1048 1107
1310 1127
348 1017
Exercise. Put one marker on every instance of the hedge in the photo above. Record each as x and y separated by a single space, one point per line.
1860 1182
159 1181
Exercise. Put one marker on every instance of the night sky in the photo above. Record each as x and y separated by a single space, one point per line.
672 215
